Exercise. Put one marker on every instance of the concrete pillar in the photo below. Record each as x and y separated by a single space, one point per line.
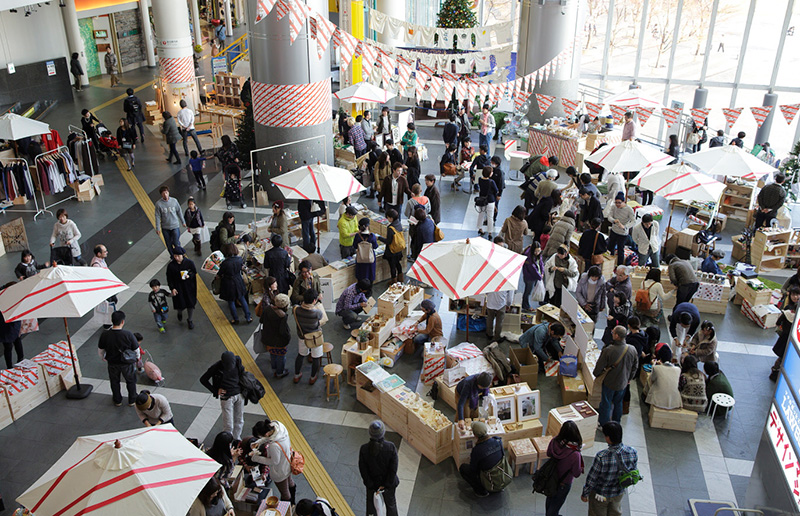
762 135
228 21
175 54
545 31
395 9
700 98
296 122
198 35
74 40
147 33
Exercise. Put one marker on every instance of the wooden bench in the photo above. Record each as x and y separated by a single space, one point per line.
677 419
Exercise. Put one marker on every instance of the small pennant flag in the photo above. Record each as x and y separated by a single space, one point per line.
670 115
324 32
546 73
528 81
760 113
618 112
461 90
699 116
569 106
520 99
593 108
369 56
263 9
449 86
347 48
789 111
404 74
643 113
544 102
450 76
731 115
436 85
420 78
483 90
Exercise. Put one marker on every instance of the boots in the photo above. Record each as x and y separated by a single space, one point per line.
197 246
293 490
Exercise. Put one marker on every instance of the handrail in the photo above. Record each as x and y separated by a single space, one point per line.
235 42
241 55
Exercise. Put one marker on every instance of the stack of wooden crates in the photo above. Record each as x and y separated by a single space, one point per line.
152 114
229 90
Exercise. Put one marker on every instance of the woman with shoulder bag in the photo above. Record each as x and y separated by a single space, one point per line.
275 333
127 142
365 244
566 449
532 274
274 449
232 288
309 334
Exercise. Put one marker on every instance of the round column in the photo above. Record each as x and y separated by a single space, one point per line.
147 33
291 88
74 40
198 35
700 98
762 135
228 22
545 31
395 9
174 44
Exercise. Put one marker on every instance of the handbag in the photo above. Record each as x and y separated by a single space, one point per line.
262 199
297 462
597 259
539 292
480 202
449 169
313 339
127 145
258 346
216 285
438 234
205 235
602 375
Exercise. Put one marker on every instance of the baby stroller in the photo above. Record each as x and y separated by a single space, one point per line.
233 191
108 143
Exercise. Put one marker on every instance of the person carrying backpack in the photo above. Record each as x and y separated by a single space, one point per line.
222 380
566 449
134 112
365 244
604 488
395 246
485 457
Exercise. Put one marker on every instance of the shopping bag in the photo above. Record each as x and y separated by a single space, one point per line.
258 346
539 291
262 199
380 505
205 235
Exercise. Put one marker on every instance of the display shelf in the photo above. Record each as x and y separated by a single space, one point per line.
737 200
769 248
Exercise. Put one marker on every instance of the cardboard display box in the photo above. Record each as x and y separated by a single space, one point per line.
678 419
527 364
572 389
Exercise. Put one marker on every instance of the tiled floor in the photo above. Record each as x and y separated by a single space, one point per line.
715 462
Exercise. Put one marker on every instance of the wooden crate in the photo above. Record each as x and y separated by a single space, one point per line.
393 412
464 443
586 425
678 419
414 297
436 445
23 402
572 389
390 306
5 409
446 393
367 393
754 297
525 430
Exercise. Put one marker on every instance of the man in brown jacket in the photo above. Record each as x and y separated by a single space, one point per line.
393 188
433 325
681 274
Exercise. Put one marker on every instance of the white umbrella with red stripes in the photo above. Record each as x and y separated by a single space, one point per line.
318 182
364 92
632 99
61 291
151 471
463 268
729 160
628 156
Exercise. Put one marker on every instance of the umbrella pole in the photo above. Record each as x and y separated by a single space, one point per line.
467 298
669 223
312 229
77 391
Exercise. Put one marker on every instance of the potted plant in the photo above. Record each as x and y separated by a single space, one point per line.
363 339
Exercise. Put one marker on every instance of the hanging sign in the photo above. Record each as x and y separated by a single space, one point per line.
51 68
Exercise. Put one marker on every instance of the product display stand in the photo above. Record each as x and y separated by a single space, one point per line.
28 174
45 208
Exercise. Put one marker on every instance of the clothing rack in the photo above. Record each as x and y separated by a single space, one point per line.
81 134
28 175
63 149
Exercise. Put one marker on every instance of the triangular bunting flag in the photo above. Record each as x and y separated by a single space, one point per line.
670 115
520 99
593 108
403 74
325 30
450 76
699 116
483 90
449 86
731 115
420 78
618 112
461 90
496 91
263 8
347 48
760 113
544 102
569 106
528 81
789 111
297 17
643 113
436 85
427 69
369 55
538 79
388 66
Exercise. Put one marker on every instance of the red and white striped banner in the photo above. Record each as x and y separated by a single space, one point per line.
177 70
448 76
403 76
449 86
495 92
731 115
292 105
760 113
388 67
544 102
643 114
789 111
569 106
520 99
461 90
483 91
347 47
593 108
19 379
427 69
670 115
435 86
472 91
618 112
369 55
324 31
420 78
297 12
699 116
263 8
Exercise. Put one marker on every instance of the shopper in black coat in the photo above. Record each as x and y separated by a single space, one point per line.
277 260
232 288
182 281
9 336
76 70
377 463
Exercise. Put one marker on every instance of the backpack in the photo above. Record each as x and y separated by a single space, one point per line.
642 300
545 480
364 252
213 240
628 477
498 476
398 243
252 390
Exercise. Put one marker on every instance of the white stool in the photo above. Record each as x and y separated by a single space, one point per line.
721 400
516 159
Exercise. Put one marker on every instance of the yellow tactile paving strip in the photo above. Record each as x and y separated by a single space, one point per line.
315 473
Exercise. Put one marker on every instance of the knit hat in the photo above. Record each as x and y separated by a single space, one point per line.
178 250
144 400
377 430
277 204
620 197
480 429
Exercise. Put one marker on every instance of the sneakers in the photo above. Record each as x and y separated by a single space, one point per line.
282 375
346 327
117 404
162 330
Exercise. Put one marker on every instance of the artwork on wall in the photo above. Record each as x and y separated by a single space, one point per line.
14 236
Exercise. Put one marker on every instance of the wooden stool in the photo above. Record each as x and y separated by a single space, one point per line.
521 452
541 444
332 372
327 348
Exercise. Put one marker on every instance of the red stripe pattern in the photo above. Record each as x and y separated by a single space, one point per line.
175 70
292 105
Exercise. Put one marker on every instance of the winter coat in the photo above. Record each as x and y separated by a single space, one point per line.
277 260
560 235
183 278
170 129
572 274
232 287
582 293
662 387
275 451
499 361
379 470
276 334
653 244
513 230
570 462
533 268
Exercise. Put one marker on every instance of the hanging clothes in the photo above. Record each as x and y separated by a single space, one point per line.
16 180
51 140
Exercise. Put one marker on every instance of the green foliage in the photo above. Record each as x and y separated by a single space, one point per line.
456 14
246 135
791 168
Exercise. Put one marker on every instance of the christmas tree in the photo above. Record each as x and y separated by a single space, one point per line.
456 14
245 130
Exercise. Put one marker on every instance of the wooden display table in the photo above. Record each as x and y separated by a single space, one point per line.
521 452
550 313
342 275
541 444
464 440
581 413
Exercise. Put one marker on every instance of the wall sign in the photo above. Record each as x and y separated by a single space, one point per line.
51 68
219 65
100 34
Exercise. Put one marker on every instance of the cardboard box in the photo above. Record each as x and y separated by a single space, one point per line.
572 389
527 364
766 316
97 179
